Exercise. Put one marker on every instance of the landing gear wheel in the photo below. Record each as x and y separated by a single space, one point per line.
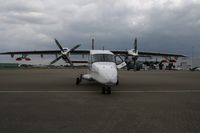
81 77
109 90
103 90
77 81
117 82
106 90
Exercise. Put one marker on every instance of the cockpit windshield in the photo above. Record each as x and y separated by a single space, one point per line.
102 58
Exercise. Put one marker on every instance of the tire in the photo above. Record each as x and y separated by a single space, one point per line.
103 90
109 90
117 82
81 77
77 81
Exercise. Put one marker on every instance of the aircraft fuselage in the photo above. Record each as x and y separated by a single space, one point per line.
104 73
102 68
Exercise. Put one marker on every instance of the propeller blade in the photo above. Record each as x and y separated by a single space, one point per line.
58 44
135 66
135 44
67 60
75 47
92 43
56 60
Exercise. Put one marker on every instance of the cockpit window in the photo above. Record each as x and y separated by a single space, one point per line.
102 58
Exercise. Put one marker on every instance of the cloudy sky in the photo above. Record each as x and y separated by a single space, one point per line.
161 25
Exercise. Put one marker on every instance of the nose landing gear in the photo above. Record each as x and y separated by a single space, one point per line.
79 80
106 90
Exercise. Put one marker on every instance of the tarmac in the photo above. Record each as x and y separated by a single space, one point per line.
48 101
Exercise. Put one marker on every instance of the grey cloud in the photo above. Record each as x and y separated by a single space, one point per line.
20 6
174 29
161 26
27 18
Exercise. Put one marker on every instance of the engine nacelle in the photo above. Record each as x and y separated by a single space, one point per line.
133 53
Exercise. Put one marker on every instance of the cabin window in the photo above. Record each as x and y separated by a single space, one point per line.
102 58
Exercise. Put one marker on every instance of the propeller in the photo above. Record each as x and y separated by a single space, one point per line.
64 53
135 45
135 63
134 53
135 57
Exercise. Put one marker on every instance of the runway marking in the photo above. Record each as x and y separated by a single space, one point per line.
150 91
165 91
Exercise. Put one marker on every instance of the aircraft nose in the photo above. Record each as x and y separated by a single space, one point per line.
109 75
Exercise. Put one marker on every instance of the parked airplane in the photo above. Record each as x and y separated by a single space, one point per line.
195 69
102 63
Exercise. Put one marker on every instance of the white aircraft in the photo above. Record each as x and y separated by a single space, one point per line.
102 68
102 63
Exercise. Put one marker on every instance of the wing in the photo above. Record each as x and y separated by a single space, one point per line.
160 54
136 53
32 52
147 54
80 52
80 61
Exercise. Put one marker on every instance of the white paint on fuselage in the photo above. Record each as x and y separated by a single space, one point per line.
104 73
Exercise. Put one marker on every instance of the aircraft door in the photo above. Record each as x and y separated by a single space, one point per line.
120 63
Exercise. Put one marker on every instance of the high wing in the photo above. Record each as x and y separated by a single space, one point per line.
80 61
44 52
147 54
160 54
135 53
64 53
83 52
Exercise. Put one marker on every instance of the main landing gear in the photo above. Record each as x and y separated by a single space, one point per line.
78 80
106 90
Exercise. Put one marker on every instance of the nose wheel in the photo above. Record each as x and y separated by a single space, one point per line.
106 90
79 79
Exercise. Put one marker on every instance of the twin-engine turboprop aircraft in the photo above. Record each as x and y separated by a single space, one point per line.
102 64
